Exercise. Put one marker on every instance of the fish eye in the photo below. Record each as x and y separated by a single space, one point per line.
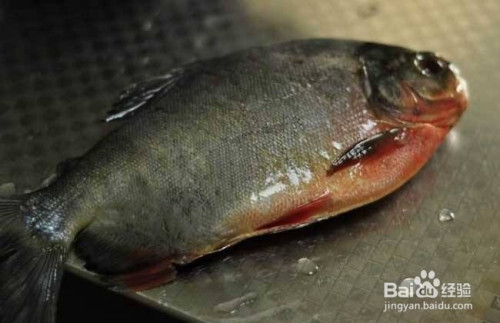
429 64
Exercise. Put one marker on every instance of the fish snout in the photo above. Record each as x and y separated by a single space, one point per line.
440 96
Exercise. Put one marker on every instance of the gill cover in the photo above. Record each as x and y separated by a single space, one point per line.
416 87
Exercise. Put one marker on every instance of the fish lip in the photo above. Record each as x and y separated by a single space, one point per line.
442 111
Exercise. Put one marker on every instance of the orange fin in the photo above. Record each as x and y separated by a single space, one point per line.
378 143
302 213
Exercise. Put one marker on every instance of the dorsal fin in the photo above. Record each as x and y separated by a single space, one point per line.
142 93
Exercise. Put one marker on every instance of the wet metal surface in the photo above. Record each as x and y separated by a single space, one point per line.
62 65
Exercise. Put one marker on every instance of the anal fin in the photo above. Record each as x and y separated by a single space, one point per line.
108 250
146 278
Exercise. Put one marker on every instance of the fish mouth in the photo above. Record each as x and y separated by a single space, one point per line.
442 110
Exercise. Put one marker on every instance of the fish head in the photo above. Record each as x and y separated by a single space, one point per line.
413 87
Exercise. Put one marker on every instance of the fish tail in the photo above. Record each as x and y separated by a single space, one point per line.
31 268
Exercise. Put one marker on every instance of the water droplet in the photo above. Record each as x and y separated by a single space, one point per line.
307 267
7 189
233 305
401 136
368 125
325 155
446 215
337 145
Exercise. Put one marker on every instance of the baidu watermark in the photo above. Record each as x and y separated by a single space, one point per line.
425 288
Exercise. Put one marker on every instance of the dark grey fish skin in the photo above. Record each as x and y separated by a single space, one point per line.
219 150
169 178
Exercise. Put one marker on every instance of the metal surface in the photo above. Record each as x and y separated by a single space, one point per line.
63 63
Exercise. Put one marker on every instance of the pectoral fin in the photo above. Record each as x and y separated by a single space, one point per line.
376 144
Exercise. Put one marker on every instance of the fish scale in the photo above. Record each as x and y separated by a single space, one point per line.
223 150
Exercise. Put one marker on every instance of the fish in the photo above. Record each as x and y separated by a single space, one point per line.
211 153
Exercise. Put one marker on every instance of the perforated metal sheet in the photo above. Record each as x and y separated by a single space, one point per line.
62 64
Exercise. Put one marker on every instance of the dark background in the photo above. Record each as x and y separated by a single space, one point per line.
81 301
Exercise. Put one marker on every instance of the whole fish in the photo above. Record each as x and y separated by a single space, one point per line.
259 141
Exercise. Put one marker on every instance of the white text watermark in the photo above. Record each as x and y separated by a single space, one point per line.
424 288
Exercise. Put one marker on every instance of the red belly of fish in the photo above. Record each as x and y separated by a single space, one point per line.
372 178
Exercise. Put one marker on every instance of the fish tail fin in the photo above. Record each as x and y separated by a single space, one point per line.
31 268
